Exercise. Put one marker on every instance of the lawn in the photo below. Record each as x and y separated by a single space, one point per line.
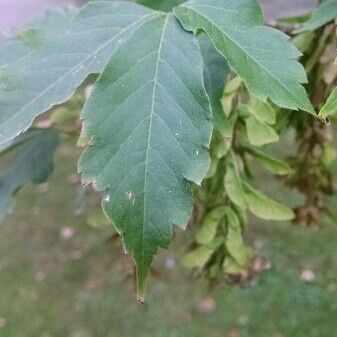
61 277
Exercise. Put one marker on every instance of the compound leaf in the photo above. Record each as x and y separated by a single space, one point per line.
62 50
259 54
30 159
324 13
147 124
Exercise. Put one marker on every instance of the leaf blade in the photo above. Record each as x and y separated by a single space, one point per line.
64 50
232 182
216 70
264 207
145 154
31 160
260 133
272 164
330 107
321 15
241 39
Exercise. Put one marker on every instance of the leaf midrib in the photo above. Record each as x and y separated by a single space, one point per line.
152 113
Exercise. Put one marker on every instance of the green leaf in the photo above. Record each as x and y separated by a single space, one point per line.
236 247
230 266
262 111
264 207
28 158
304 41
201 255
230 92
324 13
233 184
63 50
11 51
258 131
212 168
233 219
63 116
147 123
215 73
221 142
233 85
208 228
259 54
161 5
272 164
330 107
241 213
234 242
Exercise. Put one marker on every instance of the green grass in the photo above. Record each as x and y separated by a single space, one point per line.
81 287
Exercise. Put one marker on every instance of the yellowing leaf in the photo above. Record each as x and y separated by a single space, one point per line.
260 133
232 181
262 111
234 242
264 207
208 228
230 266
272 164
201 255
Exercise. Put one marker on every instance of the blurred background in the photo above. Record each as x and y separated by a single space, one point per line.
64 275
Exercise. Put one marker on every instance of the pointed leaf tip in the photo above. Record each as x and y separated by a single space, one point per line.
329 108
141 296
142 279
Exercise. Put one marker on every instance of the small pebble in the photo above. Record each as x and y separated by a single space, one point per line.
207 305
67 233
307 275
170 262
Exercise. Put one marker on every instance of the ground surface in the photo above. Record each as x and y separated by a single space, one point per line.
58 283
